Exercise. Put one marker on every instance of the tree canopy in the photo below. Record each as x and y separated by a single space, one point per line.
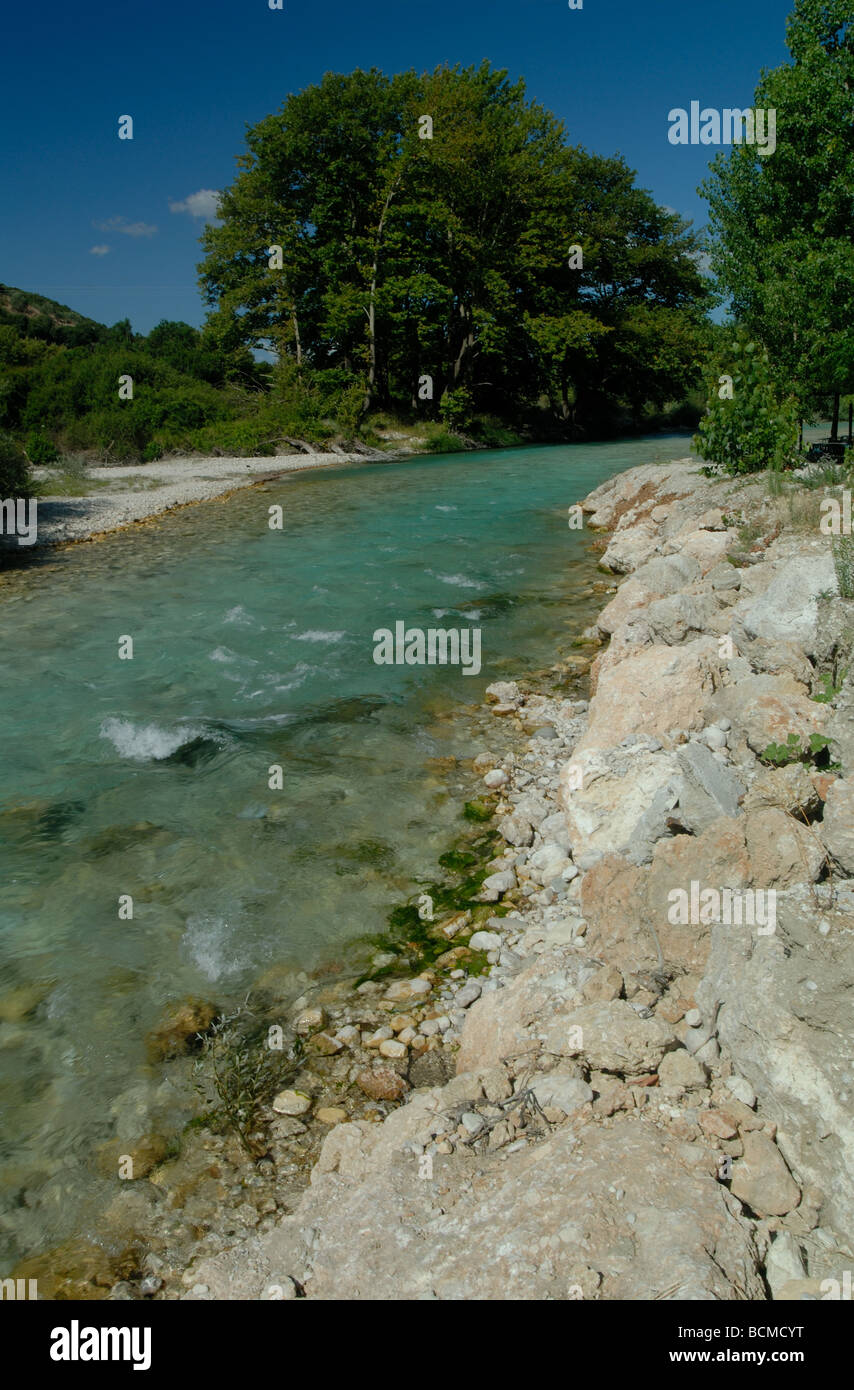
430 261
781 243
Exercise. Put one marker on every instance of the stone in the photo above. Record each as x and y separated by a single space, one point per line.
679 1071
629 547
310 1021
145 1155
516 829
783 1263
393 1048
496 884
562 1092
291 1103
716 1126
496 778
790 789
548 863
769 708
788 609
520 1227
503 693
403 990
742 1090
706 547
614 1038
472 1122
627 699
331 1115
324 1044
468 994
761 1179
485 941
605 985
837 826
382 1083
179 1029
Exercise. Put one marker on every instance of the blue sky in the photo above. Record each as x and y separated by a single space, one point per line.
193 75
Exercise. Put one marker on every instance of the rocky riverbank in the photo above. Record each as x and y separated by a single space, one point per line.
130 494
625 1069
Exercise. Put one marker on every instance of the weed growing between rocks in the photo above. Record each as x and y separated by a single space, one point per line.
843 563
237 1075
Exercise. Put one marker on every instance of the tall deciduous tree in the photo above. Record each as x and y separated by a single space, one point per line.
447 256
782 247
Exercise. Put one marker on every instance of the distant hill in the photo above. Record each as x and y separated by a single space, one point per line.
34 316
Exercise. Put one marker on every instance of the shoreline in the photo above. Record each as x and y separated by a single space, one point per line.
183 482
577 1060
613 1068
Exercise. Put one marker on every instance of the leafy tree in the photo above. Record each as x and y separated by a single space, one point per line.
751 430
14 474
447 257
781 223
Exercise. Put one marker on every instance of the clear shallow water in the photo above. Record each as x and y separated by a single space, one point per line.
149 777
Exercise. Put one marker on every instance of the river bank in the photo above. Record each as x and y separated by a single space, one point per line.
130 494
618 1064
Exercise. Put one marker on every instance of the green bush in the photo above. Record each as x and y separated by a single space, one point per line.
41 451
756 429
457 407
14 474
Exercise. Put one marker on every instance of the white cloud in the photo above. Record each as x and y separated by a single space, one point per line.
203 204
98 250
121 224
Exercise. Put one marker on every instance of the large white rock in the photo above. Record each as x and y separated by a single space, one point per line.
788 609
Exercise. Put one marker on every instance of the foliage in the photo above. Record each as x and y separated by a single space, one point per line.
829 690
843 563
236 1078
448 257
41 452
794 751
780 223
14 474
755 429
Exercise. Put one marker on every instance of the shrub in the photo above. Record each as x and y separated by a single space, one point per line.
14 474
843 563
456 407
41 451
754 430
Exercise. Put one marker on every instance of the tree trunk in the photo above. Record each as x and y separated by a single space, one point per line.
371 311
834 424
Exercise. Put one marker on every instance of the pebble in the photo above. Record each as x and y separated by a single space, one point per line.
393 1048
468 994
693 1018
309 1021
331 1114
741 1089
485 941
291 1103
496 778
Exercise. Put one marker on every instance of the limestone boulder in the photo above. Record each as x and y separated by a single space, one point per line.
589 1213
655 690
837 826
630 546
788 609
785 1015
